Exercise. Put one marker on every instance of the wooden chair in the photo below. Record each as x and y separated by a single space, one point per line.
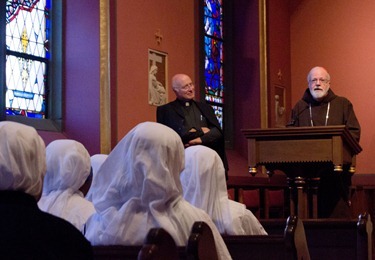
231 194
274 200
158 245
201 244
251 198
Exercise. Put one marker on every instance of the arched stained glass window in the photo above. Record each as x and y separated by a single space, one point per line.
27 57
214 56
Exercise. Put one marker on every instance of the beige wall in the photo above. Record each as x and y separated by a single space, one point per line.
340 36
137 22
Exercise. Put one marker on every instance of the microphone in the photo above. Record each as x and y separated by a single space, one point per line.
296 117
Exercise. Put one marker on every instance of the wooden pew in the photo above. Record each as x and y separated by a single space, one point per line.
291 244
116 252
340 239
158 245
334 238
121 252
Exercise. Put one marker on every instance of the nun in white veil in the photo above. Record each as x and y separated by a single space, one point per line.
96 161
204 186
25 231
138 187
22 159
68 172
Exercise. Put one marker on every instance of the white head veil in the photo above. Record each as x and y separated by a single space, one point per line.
204 186
96 161
144 164
22 158
68 166
140 189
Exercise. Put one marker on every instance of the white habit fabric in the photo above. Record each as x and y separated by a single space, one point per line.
96 161
68 166
138 188
22 158
204 186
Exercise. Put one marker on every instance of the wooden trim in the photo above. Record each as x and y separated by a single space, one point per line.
105 111
263 64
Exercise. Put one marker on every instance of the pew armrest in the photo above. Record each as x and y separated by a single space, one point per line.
364 238
158 244
295 238
201 244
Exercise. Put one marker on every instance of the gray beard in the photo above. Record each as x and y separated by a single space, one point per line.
318 96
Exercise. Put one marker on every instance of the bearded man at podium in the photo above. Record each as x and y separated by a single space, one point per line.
320 106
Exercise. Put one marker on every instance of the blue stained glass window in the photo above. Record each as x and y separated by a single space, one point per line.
213 18
219 113
214 56
27 57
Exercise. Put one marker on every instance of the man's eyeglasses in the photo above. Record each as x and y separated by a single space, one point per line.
323 81
188 86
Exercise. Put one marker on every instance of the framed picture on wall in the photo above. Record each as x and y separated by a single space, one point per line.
157 77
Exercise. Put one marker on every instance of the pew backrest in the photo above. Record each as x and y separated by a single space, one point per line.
289 245
340 238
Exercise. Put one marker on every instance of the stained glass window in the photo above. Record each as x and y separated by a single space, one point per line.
27 57
214 56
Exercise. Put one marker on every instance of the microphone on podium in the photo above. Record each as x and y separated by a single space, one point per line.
295 118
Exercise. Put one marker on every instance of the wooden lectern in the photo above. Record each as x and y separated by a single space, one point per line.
299 152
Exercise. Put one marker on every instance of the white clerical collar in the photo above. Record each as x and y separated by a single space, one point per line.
186 103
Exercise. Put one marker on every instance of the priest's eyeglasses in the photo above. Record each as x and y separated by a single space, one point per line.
188 86
322 81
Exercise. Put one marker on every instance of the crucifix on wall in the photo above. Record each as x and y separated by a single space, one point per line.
158 36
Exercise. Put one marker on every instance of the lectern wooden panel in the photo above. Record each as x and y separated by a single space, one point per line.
298 151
